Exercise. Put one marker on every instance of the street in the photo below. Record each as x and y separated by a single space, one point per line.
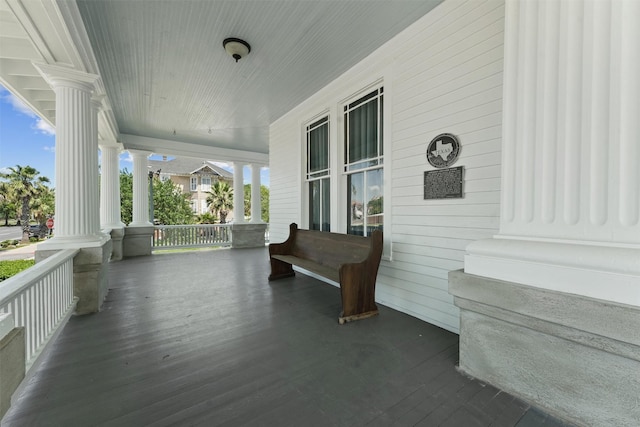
12 232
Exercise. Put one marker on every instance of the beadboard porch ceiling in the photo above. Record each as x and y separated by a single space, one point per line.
165 69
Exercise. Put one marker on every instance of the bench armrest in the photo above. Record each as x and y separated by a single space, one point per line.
285 247
358 281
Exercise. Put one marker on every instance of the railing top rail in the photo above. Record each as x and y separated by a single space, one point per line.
14 285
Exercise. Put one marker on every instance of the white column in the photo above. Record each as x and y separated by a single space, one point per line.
256 205
238 193
77 217
110 187
570 218
140 189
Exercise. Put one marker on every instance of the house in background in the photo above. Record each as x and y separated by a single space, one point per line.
194 177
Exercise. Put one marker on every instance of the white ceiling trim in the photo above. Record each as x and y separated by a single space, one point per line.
197 151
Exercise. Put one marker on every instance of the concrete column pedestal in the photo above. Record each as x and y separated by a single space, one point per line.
137 241
12 360
90 274
248 235
574 356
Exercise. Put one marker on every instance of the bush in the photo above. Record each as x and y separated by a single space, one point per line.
11 268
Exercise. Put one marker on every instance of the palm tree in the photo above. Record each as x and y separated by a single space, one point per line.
24 182
43 204
220 200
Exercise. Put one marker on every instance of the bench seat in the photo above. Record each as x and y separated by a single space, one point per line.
352 261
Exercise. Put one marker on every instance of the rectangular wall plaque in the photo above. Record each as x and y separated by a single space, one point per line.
444 183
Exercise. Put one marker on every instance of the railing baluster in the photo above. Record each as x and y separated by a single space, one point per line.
191 236
39 298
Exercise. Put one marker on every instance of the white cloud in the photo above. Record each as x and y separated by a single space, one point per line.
44 127
17 104
126 157
4 170
51 149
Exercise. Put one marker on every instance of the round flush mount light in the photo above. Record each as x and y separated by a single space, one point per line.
236 48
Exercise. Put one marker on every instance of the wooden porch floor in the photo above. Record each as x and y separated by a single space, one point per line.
202 338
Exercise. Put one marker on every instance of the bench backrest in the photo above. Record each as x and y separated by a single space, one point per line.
330 249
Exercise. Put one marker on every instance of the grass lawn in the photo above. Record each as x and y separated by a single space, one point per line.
11 268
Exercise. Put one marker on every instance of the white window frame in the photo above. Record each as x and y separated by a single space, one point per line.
368 164
203 186
193 183
323 175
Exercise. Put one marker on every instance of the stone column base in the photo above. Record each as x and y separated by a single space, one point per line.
574 356
117 236
12 363
137 241
90 269
248 235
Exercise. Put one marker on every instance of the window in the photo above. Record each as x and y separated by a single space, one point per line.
203 206
194 183
318 175
164 177
194 206
205 183
363 162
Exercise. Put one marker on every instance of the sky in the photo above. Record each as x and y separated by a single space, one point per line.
27 140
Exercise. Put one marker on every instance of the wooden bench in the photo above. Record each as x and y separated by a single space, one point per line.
350 260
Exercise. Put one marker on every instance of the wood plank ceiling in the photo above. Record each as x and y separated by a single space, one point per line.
165 69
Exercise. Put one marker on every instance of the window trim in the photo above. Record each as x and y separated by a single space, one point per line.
362 97
193 183
324 174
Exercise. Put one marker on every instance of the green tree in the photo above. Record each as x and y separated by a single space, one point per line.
126 196
170 205
220 200
8 208
43 204
264 201
25 184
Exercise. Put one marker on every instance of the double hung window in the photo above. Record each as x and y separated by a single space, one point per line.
205 183
363 164
194 183
318 174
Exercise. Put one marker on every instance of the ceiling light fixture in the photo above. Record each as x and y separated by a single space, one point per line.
236 48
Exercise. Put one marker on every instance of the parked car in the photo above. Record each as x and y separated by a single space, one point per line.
37 230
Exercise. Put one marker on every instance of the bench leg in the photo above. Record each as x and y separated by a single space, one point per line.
344 319
280 270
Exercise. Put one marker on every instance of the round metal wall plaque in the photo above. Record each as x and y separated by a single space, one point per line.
443 150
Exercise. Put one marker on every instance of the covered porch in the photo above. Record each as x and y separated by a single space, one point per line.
202 338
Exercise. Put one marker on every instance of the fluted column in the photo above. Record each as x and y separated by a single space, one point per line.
238 193
570 218
77 207
140 189
256 205
110 187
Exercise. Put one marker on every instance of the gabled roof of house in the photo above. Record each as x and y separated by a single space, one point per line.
187 166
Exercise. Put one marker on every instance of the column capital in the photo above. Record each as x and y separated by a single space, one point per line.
56 75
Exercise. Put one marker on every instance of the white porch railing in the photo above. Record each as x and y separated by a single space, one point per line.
41 300
191 236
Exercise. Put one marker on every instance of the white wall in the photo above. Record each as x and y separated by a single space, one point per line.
442 74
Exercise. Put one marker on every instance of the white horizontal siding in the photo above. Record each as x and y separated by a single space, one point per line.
442 74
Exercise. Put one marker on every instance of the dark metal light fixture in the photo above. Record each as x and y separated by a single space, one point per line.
236 48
